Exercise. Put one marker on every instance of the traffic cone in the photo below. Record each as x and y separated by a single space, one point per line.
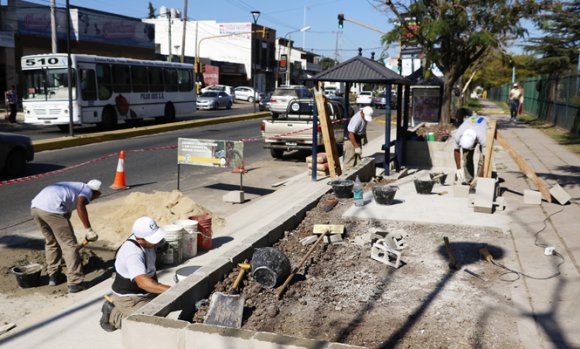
119 182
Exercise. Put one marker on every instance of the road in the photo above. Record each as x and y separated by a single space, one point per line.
150 164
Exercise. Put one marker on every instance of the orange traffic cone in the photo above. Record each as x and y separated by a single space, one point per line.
119 182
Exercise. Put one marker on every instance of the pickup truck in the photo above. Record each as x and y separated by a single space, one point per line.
293 130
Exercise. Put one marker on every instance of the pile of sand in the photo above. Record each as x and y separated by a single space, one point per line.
113 219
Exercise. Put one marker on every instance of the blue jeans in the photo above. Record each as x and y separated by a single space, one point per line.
514 106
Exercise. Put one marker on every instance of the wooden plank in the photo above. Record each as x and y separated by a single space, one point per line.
327 135
491 130
525 168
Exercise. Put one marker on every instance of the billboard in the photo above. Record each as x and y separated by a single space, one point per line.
210 152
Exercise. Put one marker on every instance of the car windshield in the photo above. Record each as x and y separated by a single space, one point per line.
290 92
209 94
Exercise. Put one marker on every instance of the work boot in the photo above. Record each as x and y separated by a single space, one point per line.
55 279
74 288
106 310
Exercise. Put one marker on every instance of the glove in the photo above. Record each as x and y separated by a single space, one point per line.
459 177
91 235
358 151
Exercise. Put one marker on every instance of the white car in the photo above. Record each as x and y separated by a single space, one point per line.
219 88
364 98
246 93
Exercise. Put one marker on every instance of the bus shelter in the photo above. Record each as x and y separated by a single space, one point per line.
360 69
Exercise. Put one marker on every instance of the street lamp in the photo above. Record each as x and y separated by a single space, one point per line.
289 47
255 16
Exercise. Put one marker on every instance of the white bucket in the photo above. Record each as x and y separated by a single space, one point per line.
184 272
174 252
189 243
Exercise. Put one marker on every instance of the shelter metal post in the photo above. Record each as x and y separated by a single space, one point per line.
314 138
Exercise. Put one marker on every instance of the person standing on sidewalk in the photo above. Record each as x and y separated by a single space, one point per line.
136 276
514 99
51 210
12 104
357 127
472 131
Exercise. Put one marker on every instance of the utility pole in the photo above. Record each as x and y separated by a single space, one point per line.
53 26
170 56
336 50
184 32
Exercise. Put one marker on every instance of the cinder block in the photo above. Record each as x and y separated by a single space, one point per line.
234 196
268 340
382 253
309 240
501 203
161 332
460 191
559 194
334 238
206 336
484 195
532 197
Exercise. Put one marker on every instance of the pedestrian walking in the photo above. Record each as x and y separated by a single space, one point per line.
515 97
472 131
135 282
51 210
12 103
356 134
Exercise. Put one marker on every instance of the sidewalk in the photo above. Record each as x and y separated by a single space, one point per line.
545 310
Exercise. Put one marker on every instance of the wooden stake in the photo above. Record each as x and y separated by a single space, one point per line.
327 136
491 130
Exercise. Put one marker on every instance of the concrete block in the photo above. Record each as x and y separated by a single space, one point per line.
257 240
559 194
239 253
382 253
330 239
532 197
485 191
207 336
460 191
309 240
267 340
501 203
160 332
216 269
234 196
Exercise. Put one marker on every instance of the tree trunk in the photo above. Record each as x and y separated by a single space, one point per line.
446 110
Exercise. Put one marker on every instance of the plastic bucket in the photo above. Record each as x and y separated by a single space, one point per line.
385 194
184 272
424 186
27 275
342 188
204 231
189 242
270 266
441 176
173 254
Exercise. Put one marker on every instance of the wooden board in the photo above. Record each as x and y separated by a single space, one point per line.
328 229
327 136
491 130
525 168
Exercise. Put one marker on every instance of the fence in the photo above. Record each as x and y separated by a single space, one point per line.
555 100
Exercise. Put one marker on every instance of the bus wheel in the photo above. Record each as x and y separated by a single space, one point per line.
276 153
63 128
109 121
169 115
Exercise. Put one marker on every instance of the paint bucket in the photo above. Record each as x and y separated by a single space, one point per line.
173 253
182 273
203 231
189 242
430 137
385 194
342 188
270 266
27 275
424 186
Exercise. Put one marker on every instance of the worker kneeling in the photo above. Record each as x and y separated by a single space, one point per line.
136 277
472 131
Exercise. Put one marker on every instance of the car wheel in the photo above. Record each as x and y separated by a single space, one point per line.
229 105
15 163
250 99
277 153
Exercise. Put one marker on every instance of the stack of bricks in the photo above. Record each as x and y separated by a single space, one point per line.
322 168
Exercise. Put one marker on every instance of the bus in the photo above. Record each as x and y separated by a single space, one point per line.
105 90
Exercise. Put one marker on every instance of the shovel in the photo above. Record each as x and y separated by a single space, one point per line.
227 309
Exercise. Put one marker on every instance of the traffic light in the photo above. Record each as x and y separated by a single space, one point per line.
340 21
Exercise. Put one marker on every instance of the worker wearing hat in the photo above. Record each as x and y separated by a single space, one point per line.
51 210
356 133
514 99
136 276
472 131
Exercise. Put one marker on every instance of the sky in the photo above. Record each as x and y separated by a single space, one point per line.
283 16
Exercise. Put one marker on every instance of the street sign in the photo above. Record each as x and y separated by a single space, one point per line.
283 63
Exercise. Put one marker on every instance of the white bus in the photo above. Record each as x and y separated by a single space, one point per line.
111 90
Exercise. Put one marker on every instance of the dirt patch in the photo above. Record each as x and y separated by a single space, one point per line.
342 295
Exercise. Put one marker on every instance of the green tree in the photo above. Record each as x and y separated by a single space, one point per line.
326 63
454 35
557 50
151 10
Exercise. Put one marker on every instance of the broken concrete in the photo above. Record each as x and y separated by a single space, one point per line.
559 194
532 197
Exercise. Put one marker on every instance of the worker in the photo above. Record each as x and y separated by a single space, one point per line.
472 131
356 133
51 210
514 99
135 282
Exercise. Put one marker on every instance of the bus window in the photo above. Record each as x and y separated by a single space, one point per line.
184 80
139 78
121 78
88 85
170 78
155 79
104 80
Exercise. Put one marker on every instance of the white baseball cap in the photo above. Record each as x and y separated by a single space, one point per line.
146 228
368 112
94 184
467 140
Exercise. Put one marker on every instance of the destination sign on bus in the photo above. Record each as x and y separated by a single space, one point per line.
38 62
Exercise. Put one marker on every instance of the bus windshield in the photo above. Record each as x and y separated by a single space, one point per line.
47 84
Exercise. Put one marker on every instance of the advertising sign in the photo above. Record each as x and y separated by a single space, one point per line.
210 152
211 75
283 63
408 36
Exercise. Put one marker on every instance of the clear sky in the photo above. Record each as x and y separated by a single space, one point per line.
283 16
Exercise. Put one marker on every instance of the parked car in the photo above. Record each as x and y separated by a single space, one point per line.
364 98
214 100
219 88
265 102
282 95
246 93
15 152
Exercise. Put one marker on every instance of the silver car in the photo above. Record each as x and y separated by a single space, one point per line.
15 152
214 100
282 96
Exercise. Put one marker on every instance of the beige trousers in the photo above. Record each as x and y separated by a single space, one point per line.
351 159
60 243
125 306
